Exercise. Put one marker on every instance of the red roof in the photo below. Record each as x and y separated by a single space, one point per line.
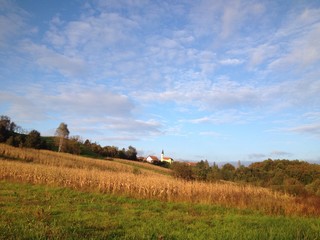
153 158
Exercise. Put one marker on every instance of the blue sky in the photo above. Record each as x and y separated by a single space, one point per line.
208 79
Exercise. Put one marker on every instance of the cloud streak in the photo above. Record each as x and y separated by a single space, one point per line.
310 129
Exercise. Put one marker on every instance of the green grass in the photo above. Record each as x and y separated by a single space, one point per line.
42 212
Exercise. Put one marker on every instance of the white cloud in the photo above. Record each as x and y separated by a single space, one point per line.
224 94
12 22
91 32
273 154
22 108
224 19
66 65
91 110
119 139
209 95
313 116
231 61
210 133
225 117
279 154
300 37
257 156
261 53
118 128
66 101
310 129
199 120
134 126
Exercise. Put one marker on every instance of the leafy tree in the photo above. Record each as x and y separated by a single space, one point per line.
131 153
215 173
33 140
73 145
110 151
293 186
11 141
201 170
62 133
228 167
122 154
5 126
227 171
19 140
182 170
314 187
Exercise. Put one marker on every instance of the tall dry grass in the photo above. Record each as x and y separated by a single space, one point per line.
115 177
159 187
51 158
145 165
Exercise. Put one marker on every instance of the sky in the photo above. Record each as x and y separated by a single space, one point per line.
212 80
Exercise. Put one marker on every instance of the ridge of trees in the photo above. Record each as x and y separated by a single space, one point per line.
14 135
291 176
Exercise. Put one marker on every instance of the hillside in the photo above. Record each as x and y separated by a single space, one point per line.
141 180
50 195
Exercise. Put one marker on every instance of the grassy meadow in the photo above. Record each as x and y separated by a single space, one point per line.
49 195
41 212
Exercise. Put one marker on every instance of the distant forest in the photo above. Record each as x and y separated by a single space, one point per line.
14 135
291 176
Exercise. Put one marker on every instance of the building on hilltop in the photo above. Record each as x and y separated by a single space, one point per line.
152 159
165 159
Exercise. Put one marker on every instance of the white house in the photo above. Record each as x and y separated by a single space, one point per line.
152 159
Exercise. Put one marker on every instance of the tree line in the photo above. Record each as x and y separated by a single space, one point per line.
14 135
294 177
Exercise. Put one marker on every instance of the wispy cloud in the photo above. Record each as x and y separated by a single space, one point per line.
211 133
53 61
12 22
310 129
274 154
256 156
222 19
279 154
225 117
231 61
70 100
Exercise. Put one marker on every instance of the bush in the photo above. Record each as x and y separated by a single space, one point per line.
182 170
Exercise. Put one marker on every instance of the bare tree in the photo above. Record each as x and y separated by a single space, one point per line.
62 133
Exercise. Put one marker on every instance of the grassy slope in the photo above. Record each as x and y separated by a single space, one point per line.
42 212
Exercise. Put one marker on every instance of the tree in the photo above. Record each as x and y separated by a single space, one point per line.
62 133
73 145
131 153
110 151
5 126
33 140
122 153
182 170
215 173
227 171
201 170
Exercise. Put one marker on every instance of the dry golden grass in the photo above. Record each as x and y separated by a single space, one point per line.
51 158
116 179
145 165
